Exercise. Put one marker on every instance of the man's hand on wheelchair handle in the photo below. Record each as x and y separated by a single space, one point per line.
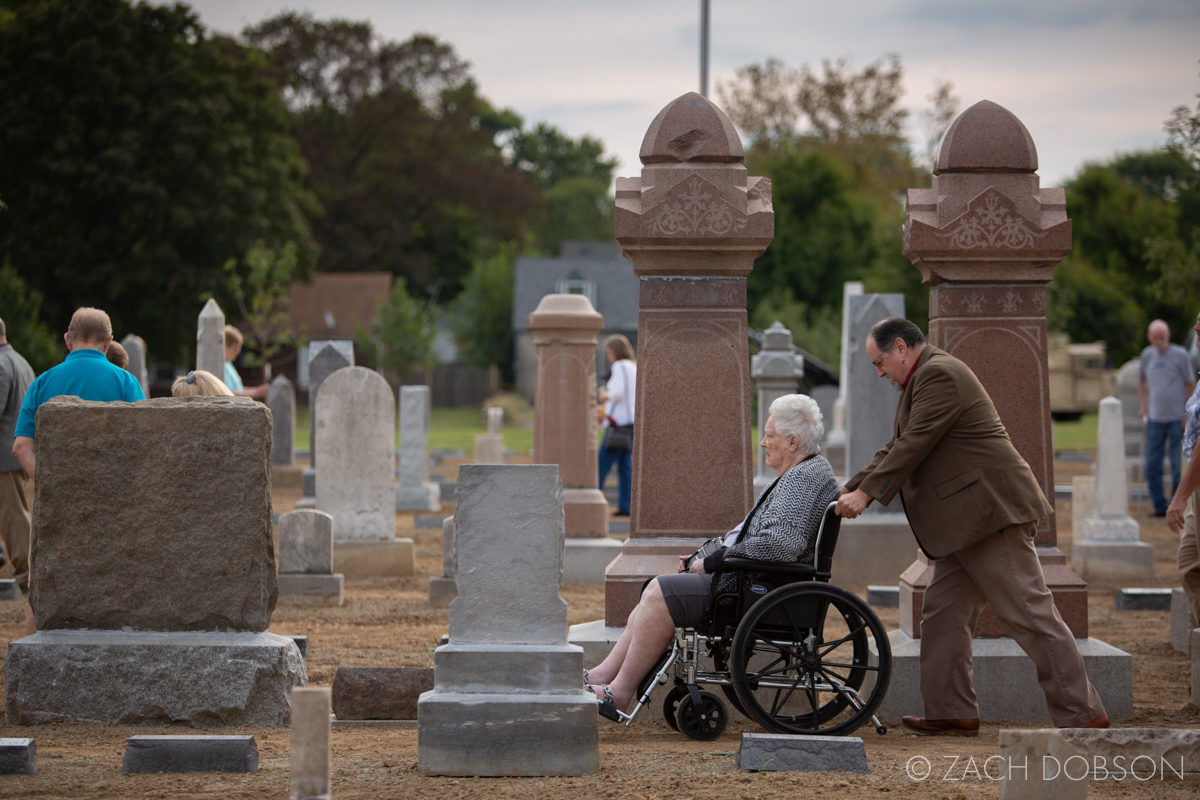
851 504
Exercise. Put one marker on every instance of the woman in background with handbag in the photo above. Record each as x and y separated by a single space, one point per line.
619 396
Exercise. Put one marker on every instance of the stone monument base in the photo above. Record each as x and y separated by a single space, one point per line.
585 513
442 591
426 497
584 560
873 548
470 726
596 639
206 679
374 558
1120 560
640 558
482 735
299 589
1006 680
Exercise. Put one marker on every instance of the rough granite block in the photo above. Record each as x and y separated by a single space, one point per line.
196 516
1143 600
132 677
190 754
768 752
18 757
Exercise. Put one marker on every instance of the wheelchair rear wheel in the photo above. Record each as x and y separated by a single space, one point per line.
810 658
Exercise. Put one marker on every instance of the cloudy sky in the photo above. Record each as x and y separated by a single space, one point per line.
1089 78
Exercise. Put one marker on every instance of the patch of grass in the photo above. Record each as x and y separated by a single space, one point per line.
451 429
1077 434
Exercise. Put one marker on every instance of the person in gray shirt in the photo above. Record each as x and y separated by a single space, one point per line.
1165 381
15 377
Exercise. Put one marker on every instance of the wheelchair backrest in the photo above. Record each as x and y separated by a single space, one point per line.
827 536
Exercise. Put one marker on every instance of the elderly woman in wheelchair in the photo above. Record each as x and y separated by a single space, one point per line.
794 658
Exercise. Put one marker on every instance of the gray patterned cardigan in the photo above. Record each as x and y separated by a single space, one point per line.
783 526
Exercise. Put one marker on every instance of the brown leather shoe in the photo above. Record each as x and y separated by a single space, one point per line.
1099 722
954 727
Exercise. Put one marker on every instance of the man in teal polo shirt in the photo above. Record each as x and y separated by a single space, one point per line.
86 372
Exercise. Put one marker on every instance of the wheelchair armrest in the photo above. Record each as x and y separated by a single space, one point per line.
796 568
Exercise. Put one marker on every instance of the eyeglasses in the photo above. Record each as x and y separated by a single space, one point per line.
878 362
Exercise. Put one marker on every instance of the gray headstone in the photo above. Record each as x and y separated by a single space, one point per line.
507 698
510 519
1133 426
281 399
18 756
306 542
198 753
135 346
870 401
325 357
9 590
768 752
356 454
1110 522
301 644
210 339
415 492
194 510
776 370
883 596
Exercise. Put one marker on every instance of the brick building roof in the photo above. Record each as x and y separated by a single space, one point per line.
346 299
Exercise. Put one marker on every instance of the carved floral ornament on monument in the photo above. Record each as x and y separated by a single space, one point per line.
991 222
695 207
968 301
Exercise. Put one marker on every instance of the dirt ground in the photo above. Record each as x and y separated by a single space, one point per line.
388 622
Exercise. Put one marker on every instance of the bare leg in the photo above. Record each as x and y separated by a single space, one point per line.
607 669
649 631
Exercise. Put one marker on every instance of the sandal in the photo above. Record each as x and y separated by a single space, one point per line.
608 706
586 680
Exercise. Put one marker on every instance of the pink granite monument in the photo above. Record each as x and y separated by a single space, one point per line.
986 239
565 327
692 225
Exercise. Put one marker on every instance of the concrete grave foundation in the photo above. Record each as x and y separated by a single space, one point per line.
507 696
1006 680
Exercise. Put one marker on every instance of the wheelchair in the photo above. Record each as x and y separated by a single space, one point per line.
788 650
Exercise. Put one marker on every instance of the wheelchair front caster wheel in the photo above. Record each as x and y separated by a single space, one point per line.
881 729
701 721
671 705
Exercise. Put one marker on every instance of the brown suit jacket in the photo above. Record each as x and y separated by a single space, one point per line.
951 460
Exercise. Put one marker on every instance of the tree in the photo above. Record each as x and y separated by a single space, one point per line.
402 333
405 155
574 177
262 296
1126 221
25 331
831 140
137 156
482 318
